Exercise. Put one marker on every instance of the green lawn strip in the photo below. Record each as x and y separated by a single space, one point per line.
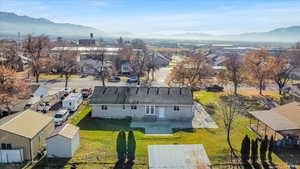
81 114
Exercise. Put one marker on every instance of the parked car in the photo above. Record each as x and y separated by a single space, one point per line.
114 79
44 107
215 88
86 92
132 79
61 116
27 106
83 76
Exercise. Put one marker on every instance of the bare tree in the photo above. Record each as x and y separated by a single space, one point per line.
282 71
191 72
9 55
11 88
230 110
37 50
138 63
103 67
234 73
69 65
259 65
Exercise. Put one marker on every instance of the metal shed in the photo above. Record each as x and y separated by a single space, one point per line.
184 156
63 142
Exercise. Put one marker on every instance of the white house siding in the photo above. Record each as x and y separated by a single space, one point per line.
75 143
59 146
116 111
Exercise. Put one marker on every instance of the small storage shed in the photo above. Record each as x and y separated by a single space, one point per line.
63 142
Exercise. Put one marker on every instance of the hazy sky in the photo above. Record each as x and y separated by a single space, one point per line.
164 16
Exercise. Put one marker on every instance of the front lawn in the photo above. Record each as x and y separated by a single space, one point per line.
98 137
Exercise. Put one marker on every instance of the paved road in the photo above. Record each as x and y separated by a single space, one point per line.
90 82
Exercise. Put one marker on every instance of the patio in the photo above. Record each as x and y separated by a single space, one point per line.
201 120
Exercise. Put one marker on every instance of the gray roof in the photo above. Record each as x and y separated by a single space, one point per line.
142 95
180 156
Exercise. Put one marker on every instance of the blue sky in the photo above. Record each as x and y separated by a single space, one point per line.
164 16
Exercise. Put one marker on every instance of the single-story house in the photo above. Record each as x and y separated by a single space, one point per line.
63 142
143 103
179 156
281 121
28 131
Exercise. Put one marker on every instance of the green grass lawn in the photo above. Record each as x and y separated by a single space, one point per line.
98 137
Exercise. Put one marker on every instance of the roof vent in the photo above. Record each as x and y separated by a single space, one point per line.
157 91
168 91
148 90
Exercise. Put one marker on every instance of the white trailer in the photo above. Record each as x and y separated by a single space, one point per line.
72 101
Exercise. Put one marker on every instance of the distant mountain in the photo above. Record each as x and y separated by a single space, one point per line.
289 34
11 24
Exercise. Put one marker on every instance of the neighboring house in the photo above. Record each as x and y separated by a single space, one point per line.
180 156
26 131
280 122
125 68
63 142
143 103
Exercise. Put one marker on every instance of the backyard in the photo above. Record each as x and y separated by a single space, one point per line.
98 136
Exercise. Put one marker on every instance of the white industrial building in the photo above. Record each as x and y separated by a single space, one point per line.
63 142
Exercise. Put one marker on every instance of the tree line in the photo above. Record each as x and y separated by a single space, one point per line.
257 68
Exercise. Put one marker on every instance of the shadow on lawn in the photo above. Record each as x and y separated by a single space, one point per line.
123 165
53 163
88 123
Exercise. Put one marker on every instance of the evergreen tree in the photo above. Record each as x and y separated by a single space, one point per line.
245 149
271 147
121 146
131 146
254 151
263 148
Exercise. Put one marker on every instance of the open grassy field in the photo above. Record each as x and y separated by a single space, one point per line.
98 137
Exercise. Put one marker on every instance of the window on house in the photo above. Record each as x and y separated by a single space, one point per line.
152 109
104 107
133 107
176 108
70 104
8 146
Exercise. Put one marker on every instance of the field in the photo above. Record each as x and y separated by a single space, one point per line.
98 137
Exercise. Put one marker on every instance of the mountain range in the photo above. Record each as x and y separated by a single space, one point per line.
11 24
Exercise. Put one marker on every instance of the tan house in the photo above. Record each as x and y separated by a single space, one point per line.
27 130
280 122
